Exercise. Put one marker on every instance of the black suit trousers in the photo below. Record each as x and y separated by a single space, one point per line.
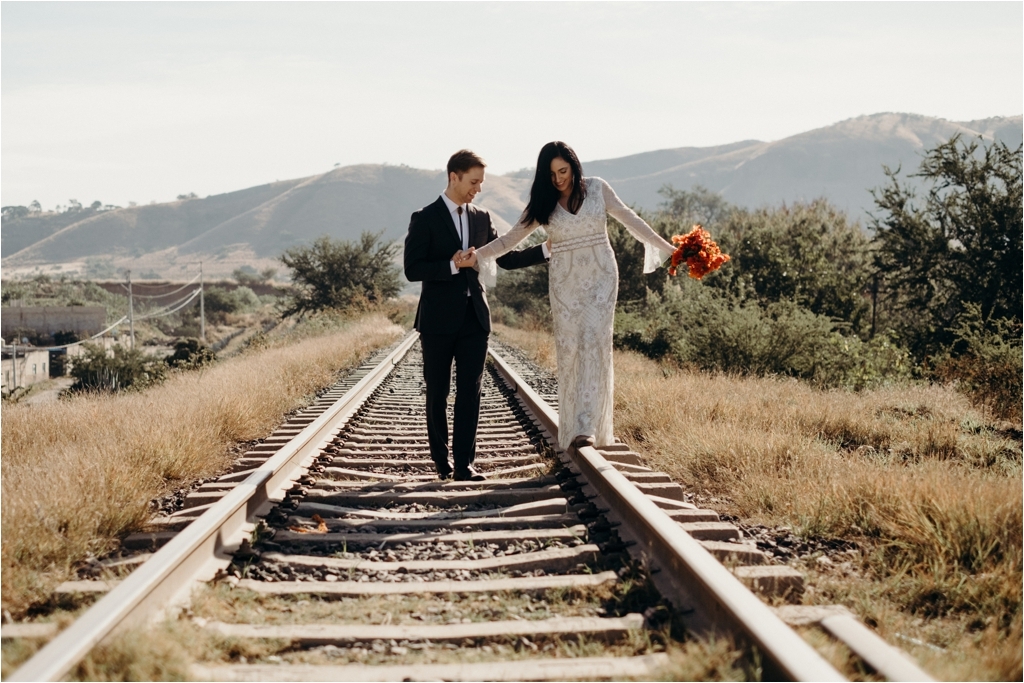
468 349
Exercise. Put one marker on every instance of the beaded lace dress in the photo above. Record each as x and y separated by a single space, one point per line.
583 285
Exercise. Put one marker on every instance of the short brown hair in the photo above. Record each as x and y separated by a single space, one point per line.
463 160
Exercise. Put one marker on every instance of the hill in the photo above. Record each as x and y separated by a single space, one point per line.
841 162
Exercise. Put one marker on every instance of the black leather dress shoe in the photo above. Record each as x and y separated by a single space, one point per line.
468 474
444 470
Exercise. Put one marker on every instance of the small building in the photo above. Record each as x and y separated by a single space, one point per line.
29 366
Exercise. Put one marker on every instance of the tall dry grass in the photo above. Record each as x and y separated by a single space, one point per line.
930 490
79 473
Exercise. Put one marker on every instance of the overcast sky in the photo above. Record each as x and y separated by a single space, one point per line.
124 101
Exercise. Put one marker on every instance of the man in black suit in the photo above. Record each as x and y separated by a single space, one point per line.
453 318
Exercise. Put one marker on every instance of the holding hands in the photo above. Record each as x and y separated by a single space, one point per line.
465 259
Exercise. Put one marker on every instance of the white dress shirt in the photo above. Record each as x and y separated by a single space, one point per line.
462 225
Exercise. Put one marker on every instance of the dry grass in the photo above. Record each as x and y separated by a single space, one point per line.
159 654
79 473
929 489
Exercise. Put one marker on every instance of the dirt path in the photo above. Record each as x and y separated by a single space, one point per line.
48 391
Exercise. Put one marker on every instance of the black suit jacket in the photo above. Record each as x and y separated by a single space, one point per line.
429 246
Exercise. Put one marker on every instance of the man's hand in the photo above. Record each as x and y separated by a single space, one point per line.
465 259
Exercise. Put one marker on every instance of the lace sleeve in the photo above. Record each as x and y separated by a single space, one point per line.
656 248
487 255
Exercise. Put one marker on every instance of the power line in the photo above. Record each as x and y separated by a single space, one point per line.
65 346
167 310
165 294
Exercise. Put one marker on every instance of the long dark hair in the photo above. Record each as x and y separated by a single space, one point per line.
543 195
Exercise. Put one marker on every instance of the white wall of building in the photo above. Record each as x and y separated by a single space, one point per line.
32 366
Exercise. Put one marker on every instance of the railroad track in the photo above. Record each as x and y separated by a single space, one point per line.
331 552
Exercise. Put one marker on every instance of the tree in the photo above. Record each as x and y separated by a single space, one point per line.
13 213
247 275
96 205
962 246
697 205
809 254
335 273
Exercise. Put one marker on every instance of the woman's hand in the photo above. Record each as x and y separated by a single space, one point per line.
465 259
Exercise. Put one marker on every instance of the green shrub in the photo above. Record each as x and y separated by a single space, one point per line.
219 301
855 364
985 362
95 370
190 353
703 327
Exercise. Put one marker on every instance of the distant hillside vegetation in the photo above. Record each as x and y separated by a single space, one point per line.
841 162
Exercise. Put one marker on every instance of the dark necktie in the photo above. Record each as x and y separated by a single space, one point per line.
462 232
462 235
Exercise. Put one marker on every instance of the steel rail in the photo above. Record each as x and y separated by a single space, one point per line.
709 596
206 545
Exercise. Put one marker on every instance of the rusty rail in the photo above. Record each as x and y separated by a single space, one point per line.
204 546
709 596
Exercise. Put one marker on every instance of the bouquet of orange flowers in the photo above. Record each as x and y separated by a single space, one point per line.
698 251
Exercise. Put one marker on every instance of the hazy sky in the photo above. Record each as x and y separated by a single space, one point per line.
143 101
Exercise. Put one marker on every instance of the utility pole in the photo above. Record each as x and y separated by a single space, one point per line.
131 311
874 302
202 306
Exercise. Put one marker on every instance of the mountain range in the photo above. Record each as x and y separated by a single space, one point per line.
841 162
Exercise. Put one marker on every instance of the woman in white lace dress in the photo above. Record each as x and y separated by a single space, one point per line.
584 282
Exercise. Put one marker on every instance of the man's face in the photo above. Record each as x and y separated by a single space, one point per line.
462 190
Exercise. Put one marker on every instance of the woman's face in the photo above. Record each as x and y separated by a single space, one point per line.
561 175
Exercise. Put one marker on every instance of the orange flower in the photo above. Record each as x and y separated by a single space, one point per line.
698 251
